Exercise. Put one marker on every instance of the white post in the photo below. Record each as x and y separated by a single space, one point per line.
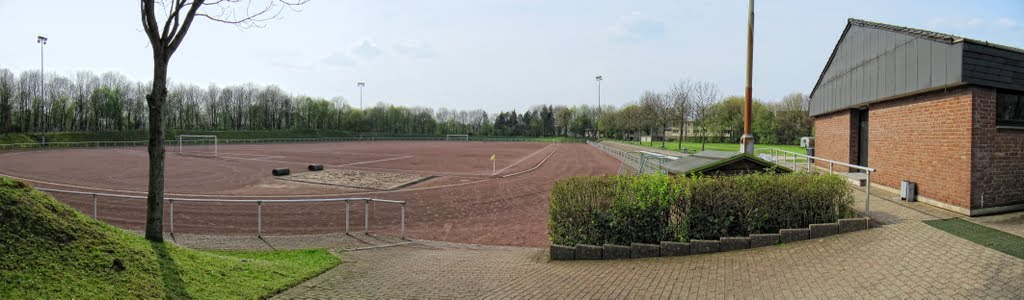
171 202
366 218
347 203
259 219
867 201
94 213
403 220
179 145
215 144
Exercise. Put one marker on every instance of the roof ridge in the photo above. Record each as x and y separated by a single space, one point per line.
934 35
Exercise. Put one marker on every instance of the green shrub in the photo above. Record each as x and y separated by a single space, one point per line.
653 208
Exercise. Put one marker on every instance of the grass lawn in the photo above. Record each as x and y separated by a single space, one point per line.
982 235
715 146
48 250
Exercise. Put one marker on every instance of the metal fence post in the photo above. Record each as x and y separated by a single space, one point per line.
808 164
829 168
366 218
867 202
347 203
403 220
94 212
259 219
171 202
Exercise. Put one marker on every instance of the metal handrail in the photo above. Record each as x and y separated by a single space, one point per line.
259 206
774 153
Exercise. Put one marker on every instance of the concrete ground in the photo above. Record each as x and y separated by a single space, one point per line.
901 258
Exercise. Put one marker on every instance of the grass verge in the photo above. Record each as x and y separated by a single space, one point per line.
50 251
982 235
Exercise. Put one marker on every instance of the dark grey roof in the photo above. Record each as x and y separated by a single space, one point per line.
938 36
928 34
704 160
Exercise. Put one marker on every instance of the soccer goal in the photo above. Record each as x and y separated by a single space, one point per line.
197 145
457 137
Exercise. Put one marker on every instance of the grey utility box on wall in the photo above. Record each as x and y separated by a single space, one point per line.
908 191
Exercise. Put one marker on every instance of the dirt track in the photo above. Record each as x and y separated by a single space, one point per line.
465 204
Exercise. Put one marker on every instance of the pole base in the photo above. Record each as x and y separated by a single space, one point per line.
747 144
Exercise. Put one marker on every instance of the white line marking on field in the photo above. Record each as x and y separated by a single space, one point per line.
524 158
379 160
535 167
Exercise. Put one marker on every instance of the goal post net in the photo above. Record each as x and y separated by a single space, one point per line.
457 137
197 145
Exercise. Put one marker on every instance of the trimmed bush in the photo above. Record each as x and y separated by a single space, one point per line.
654 208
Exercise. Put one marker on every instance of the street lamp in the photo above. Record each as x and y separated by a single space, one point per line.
42 90
599 78
361 84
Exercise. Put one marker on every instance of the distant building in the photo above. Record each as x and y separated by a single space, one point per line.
672 133
943 111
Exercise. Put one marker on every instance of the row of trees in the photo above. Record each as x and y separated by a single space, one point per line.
695 107
110 102
86 102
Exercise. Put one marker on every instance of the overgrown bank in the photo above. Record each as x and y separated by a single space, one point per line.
653 208
50 251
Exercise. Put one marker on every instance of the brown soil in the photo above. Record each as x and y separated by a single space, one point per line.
373 180
466 203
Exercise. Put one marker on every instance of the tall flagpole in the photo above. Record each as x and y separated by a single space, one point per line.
747 141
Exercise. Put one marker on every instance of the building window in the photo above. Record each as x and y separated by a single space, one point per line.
1010 109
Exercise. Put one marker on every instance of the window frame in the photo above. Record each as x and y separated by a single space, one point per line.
1010 123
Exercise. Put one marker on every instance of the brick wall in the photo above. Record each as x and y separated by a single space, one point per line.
998 161
926 139
834 134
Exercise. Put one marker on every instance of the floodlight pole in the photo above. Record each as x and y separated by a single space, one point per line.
747 140
42 89
361 84
598 121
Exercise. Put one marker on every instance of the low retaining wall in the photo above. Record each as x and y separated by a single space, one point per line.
666 249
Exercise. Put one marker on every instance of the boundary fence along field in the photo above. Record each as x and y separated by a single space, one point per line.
259 206
634 162
112 144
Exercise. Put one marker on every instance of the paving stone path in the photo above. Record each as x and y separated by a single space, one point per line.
904 259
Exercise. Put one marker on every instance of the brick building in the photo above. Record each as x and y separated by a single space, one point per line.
943 111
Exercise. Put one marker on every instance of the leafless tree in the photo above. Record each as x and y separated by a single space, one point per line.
680 96
657 108
703 96
164 40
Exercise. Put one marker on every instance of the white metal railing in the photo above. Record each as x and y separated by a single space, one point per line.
259 206
776 155
641 161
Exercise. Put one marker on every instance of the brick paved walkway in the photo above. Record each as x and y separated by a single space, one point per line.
903 259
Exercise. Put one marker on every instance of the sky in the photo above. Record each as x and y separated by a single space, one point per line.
495 55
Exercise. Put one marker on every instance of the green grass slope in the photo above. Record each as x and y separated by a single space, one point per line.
48 250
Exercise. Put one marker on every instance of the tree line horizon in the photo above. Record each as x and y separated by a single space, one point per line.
87 102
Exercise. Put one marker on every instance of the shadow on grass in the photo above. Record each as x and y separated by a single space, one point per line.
170 275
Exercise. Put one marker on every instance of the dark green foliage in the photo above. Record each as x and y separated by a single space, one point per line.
654 208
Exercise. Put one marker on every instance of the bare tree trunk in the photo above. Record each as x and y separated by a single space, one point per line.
155 196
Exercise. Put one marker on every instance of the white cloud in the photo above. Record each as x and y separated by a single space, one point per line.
941 23
414 49
339 59
636 27
366 49
1006 22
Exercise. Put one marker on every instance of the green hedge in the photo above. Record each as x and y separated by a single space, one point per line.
653 208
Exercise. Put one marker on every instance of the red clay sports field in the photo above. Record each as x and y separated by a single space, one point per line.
465 202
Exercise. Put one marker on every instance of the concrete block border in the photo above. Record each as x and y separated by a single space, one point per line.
668 248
